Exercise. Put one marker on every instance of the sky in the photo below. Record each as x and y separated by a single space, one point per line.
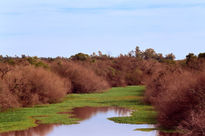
50 28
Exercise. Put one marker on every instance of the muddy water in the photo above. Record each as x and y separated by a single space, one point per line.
93 122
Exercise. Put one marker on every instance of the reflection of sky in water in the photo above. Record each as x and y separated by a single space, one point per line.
93 122
99 125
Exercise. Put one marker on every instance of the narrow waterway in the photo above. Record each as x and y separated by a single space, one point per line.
93 122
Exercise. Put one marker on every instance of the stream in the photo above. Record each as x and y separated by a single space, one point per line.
93 122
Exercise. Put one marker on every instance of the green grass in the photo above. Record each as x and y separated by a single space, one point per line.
130 97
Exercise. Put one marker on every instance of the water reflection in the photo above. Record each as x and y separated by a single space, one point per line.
84 113
41 130
93 122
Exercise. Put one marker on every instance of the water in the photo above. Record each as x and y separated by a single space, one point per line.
93 122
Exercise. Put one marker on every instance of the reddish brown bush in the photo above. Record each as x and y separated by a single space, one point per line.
35 85
176 94
157 79
120 71
108 70
194 125
175 88
4 69
7 100
83 79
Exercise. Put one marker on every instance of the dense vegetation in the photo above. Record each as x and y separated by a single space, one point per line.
26 86
61 113
178 93
176 88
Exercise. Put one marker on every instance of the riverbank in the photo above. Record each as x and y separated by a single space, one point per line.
129 97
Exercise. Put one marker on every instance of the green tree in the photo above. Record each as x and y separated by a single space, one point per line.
138 53
80 56
201 55
190 58
149 54
170 56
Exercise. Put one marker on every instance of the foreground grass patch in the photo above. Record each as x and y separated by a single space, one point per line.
129 97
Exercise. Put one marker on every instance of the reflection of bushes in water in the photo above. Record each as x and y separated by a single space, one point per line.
40 130
84 113
83 79
27 86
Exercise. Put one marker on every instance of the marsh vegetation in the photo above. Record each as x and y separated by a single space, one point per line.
37 91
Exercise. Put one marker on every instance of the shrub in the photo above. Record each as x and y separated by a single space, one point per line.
108 70
194 125
80 57
201 55
83 79
7 100
32 85
120 71
4 69
36 62
176 93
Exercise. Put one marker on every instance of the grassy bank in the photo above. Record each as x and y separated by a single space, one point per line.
129 97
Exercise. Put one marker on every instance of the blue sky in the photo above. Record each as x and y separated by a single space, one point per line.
51 28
